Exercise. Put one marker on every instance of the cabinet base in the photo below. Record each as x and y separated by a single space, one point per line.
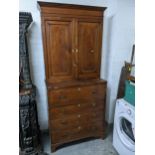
54 147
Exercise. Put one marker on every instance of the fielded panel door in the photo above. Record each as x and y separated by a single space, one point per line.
59 57
89 34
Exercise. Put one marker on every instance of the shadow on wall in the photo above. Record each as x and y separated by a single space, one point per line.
107 34
31 28
36 61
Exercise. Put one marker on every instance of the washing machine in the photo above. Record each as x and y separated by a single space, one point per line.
124 128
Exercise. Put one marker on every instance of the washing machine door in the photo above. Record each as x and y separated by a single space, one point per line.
125 130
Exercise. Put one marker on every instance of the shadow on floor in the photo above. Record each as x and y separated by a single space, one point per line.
87 146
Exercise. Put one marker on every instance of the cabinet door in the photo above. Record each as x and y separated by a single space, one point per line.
89 48
59 42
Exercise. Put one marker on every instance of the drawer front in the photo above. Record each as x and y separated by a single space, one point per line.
61 96
75 109
77 132
67 123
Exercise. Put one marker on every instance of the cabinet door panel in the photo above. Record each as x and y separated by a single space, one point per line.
59 50
89 45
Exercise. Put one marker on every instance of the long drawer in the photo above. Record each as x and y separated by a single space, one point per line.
74 121
76 109
77 132
60 96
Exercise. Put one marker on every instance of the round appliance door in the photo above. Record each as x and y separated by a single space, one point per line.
125 131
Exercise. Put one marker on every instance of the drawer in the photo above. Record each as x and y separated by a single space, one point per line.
70 94
75 109
65 123
76 133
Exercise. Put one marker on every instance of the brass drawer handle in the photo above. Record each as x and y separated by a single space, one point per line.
79 116
65 135
62 110
94 114
79 89
93 128
94 92
58 18
79 105
62 97
93 104
63 122
79 127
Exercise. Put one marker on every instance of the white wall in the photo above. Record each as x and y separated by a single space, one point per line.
119 50
117 41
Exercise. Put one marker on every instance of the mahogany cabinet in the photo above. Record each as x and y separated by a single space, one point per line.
72 40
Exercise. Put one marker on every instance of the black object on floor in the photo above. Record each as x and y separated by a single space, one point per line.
29 131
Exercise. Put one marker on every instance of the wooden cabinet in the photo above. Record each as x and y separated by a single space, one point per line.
75 41
72 40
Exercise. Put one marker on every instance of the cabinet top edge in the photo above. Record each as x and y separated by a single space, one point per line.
75 83
71 6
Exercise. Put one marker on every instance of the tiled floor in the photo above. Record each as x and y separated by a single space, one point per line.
89 147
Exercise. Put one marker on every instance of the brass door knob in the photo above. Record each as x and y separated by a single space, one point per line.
91 51
75 65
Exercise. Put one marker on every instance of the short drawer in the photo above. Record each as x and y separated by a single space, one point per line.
75 93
